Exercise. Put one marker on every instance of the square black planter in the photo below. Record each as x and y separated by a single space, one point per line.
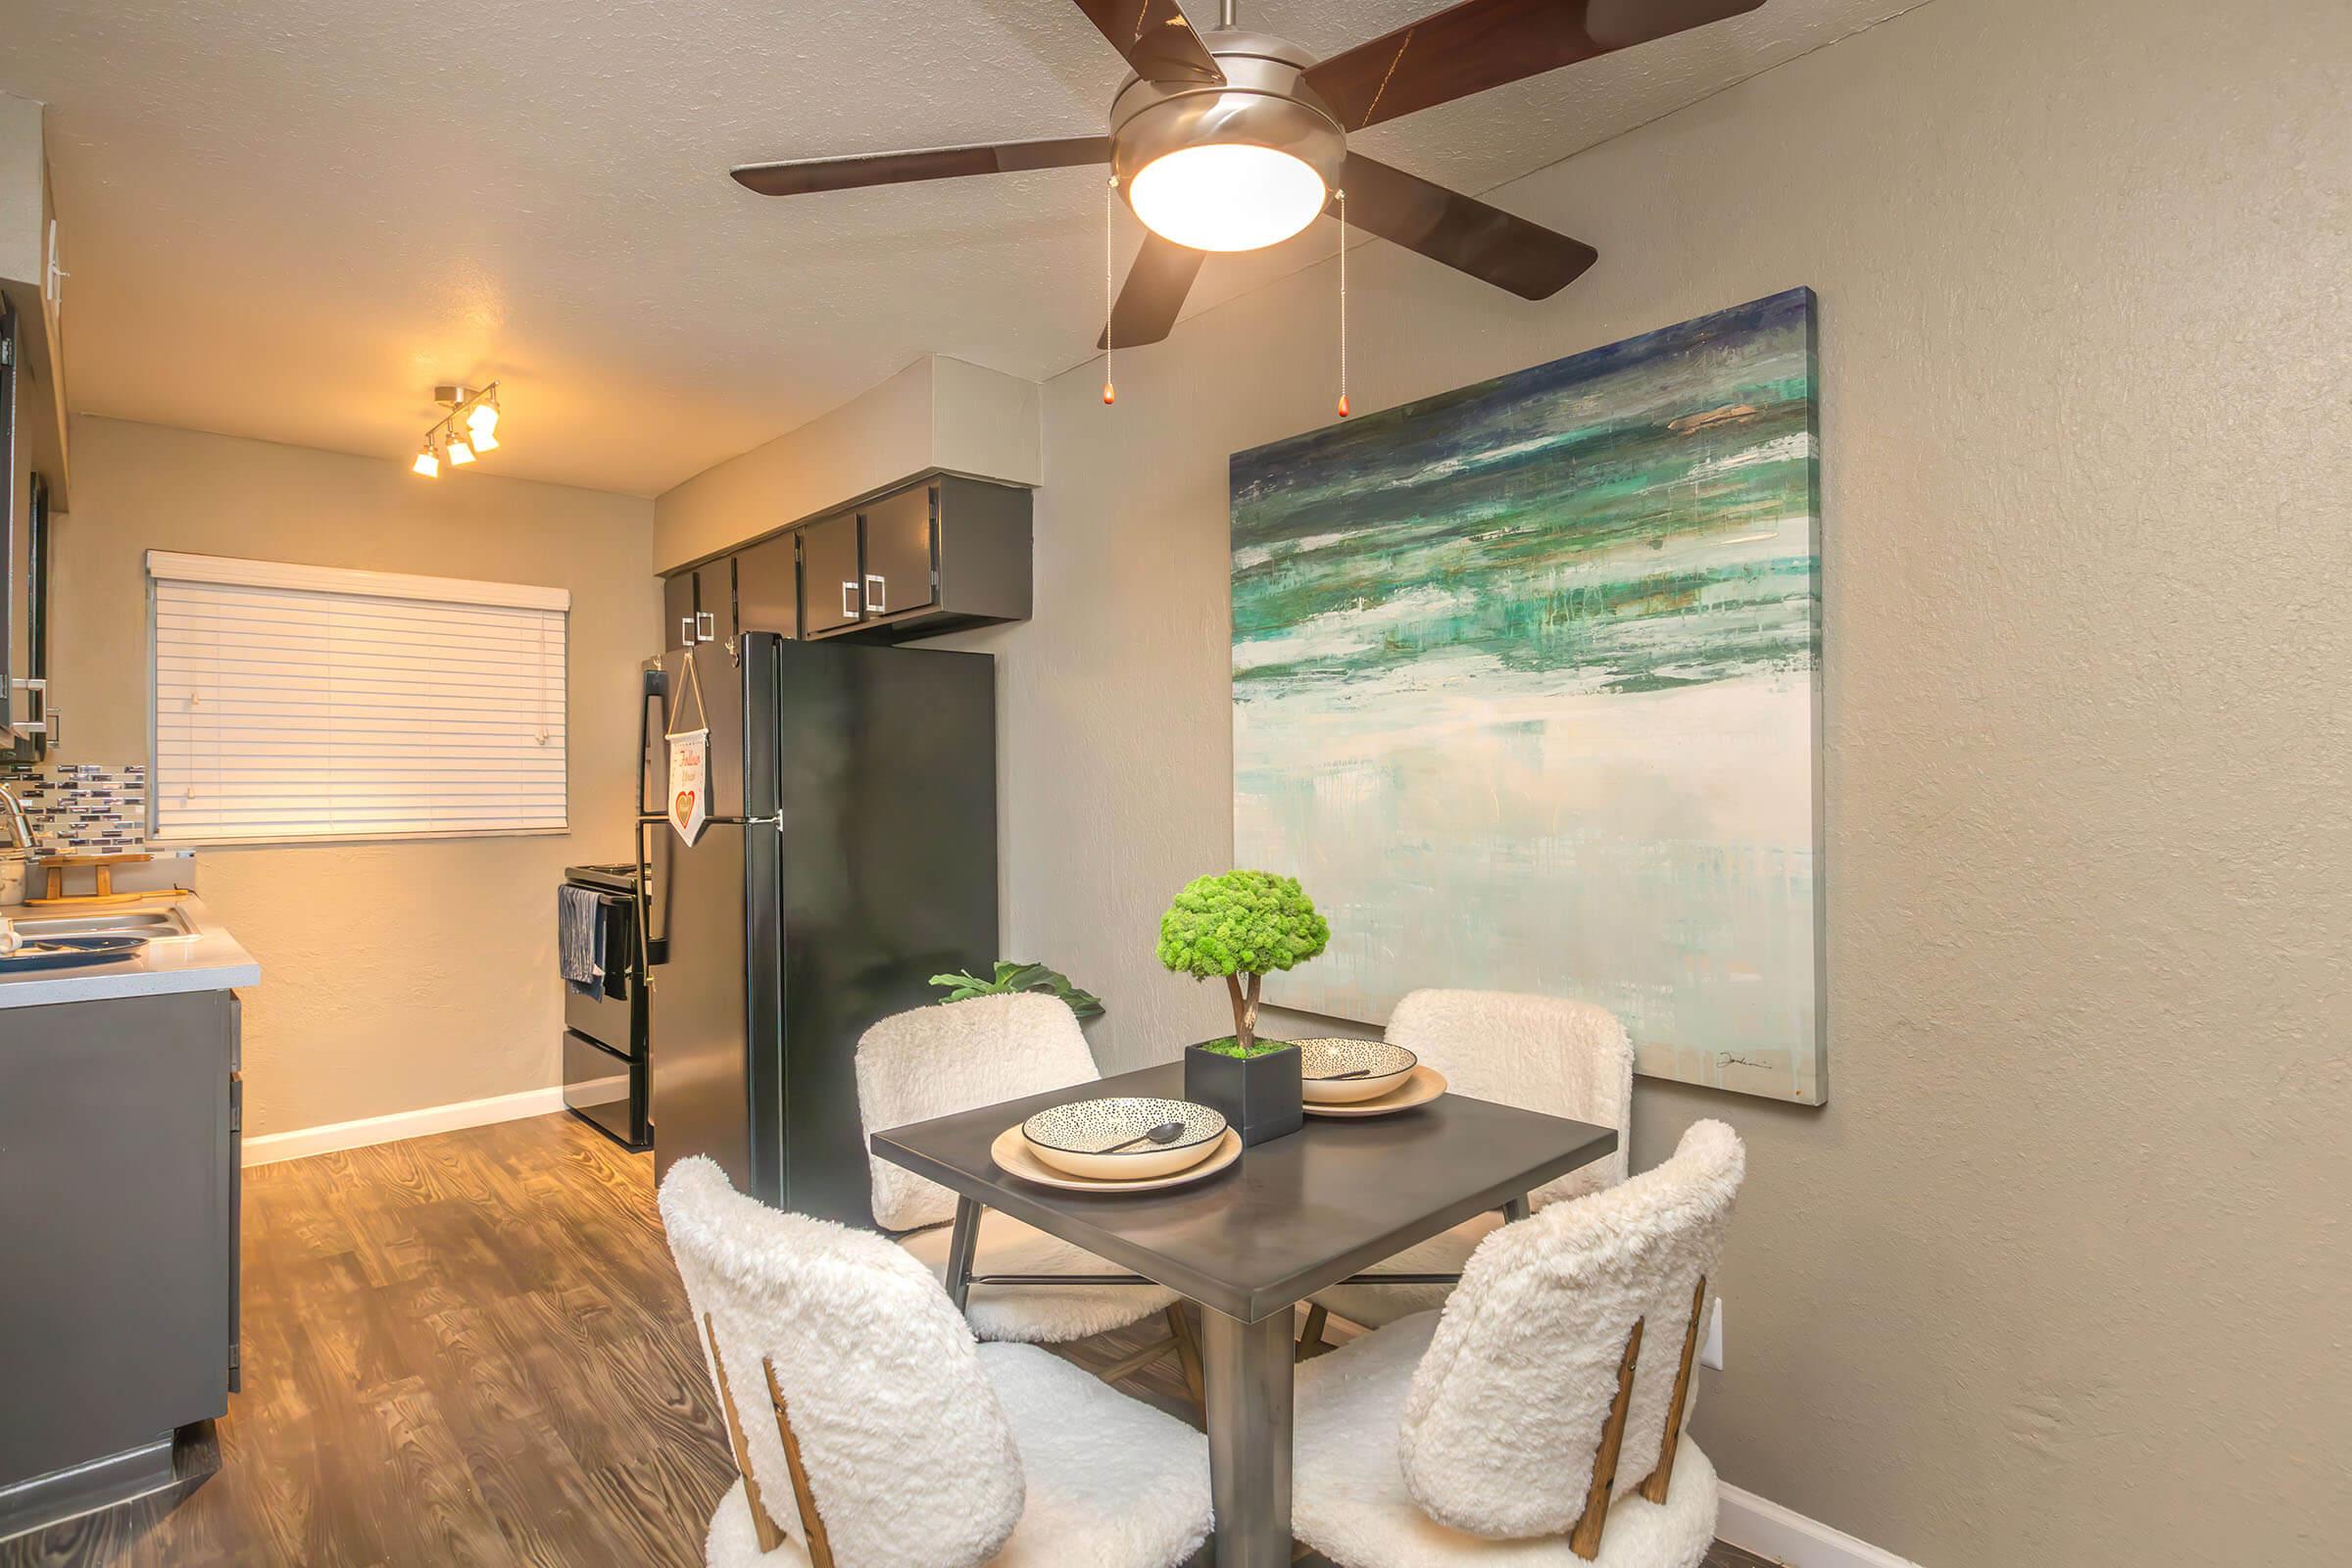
1258 1095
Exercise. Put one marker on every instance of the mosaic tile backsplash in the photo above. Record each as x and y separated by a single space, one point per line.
82 807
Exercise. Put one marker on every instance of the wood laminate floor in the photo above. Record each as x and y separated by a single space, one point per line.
462 1349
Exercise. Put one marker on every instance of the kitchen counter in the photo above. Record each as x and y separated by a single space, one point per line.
208 958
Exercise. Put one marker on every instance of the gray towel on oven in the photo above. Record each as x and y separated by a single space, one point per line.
580 938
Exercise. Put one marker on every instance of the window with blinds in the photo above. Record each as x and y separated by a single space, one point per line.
309 703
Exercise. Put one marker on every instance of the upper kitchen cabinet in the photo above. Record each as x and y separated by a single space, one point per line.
941 555
936 556
831 558
677 610
901 531
32 417
767 586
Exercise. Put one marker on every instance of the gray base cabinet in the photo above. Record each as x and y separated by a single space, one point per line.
120 1126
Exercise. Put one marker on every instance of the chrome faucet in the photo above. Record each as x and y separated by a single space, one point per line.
14 809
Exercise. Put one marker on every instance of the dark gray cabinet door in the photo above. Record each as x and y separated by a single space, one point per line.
898 552
829 570
118 1229
715 601
677 610
768 592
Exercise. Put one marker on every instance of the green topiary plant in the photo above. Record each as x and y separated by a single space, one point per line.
1241 923
1011 977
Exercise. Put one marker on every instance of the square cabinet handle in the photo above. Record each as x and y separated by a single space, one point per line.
877 591
849 599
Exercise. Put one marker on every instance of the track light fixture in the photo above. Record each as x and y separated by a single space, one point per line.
467 431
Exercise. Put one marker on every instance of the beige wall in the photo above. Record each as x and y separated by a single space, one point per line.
2055 1277
395 975
937 413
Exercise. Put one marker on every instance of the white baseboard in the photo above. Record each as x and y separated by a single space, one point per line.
270 1148
1761 1526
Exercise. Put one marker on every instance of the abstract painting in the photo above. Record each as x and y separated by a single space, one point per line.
1527 691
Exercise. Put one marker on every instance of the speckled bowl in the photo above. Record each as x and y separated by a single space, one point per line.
1321 1062
1078 1136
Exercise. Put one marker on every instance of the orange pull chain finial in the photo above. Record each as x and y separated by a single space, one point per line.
1110 303
1343 195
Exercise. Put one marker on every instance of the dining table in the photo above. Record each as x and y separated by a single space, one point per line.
1293 1215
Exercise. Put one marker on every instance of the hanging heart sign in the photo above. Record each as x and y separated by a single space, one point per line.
689 767
689 759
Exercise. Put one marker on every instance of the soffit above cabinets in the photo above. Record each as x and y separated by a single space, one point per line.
289 218
937 416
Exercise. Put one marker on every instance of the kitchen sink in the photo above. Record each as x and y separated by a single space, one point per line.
156 924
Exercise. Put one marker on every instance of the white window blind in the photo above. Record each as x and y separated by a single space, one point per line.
309 703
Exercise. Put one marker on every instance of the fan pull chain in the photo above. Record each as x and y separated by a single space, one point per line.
1111 300
1343 195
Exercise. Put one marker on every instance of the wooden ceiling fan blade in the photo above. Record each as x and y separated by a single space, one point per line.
1156 38
1467 234
799 176
1485 44
1155 292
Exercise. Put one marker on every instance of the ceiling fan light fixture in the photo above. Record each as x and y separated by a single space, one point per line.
1227 196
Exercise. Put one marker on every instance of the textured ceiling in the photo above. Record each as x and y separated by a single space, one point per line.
287 218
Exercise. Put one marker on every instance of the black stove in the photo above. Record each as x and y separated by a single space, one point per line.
606 1028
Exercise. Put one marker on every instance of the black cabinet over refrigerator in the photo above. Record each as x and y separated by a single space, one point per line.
849 855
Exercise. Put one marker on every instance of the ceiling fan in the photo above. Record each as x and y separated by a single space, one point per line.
1233 140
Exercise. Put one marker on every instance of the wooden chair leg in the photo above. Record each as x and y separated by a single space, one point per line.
1585 1538
1188 1353
813 1527
1311 1338
1654 1488
770 1535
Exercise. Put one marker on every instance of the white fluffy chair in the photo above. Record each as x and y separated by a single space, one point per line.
936 1062
1538 1419
872 1431
1564 1058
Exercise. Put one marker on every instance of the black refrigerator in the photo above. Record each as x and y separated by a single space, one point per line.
850 855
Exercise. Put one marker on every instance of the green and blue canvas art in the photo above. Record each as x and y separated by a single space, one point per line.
1526 684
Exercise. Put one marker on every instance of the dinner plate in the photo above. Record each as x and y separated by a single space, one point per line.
1082 1137
70 953
1421 1086
1015 1158
1323 1063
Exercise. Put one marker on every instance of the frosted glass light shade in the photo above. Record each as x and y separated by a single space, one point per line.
1226 196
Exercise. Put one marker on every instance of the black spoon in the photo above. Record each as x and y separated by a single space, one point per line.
1166 1132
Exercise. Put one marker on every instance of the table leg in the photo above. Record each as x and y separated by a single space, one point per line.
1514 1209
1247 1368
963 1240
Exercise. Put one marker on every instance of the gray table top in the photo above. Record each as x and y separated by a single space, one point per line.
1293 1215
